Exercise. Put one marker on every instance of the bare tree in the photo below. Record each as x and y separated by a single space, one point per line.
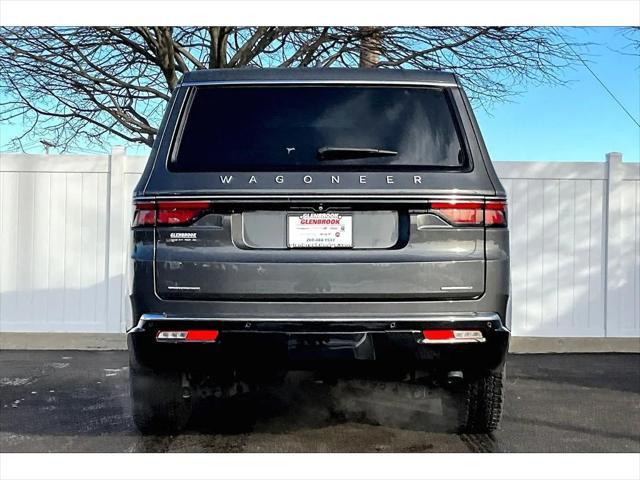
632 34
89 85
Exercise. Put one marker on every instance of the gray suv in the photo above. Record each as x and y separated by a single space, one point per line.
325 219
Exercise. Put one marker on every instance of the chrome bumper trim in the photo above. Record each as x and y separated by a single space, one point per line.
453 317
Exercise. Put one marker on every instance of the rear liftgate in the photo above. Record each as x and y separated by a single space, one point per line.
421 250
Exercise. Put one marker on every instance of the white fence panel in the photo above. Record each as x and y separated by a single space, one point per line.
623 280
133 167
556 215
65 242
53 216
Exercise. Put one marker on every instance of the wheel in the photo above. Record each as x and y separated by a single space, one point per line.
157 402
482 406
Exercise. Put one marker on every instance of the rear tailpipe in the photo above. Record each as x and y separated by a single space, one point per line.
455 377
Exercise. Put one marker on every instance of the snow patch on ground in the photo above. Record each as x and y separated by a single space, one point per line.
16 381
59 364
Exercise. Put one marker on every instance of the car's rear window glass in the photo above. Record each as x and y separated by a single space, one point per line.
279 128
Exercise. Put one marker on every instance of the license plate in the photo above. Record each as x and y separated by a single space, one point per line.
320 230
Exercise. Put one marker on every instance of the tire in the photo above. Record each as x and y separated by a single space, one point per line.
482 406
157 403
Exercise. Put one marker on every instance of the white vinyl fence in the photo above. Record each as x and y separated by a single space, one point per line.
64 244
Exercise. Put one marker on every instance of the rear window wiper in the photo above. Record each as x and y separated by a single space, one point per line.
346 153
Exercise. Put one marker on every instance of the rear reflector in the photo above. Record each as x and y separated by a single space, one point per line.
452 336
187 336
168 213
438 334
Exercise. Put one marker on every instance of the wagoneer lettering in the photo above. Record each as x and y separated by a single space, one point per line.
275 229
408 179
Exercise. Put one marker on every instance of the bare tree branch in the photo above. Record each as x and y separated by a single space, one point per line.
87 85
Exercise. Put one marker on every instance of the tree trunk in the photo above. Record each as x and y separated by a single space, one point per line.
165 55
369 47
218 47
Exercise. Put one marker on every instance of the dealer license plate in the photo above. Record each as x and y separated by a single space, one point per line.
320 230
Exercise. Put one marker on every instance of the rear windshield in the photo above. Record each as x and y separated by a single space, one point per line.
316 128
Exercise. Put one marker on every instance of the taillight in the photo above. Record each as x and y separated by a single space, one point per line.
179 213
495 213
459 213
207 336
168 213
145 214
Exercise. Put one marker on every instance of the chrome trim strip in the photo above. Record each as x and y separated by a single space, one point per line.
161 142
179 340
410 83
346 197
476 317
360 332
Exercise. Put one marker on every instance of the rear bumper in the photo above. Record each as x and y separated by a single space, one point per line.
257 342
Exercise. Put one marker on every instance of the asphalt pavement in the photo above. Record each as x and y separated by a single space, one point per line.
77 401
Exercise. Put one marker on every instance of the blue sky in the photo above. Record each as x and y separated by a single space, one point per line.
575 122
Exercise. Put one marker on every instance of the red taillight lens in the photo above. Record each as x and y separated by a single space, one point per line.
491 213
179 213
459 213
496 214
168 213
145 214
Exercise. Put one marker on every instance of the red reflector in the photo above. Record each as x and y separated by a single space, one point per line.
202 335
438 334
176 336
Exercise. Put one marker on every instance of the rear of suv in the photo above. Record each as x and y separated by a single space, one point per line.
317 219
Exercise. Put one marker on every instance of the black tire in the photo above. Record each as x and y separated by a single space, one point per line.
482 406
157 403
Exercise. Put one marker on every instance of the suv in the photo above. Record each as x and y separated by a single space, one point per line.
317 219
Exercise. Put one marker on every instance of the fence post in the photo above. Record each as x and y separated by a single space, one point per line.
115 240
613 238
